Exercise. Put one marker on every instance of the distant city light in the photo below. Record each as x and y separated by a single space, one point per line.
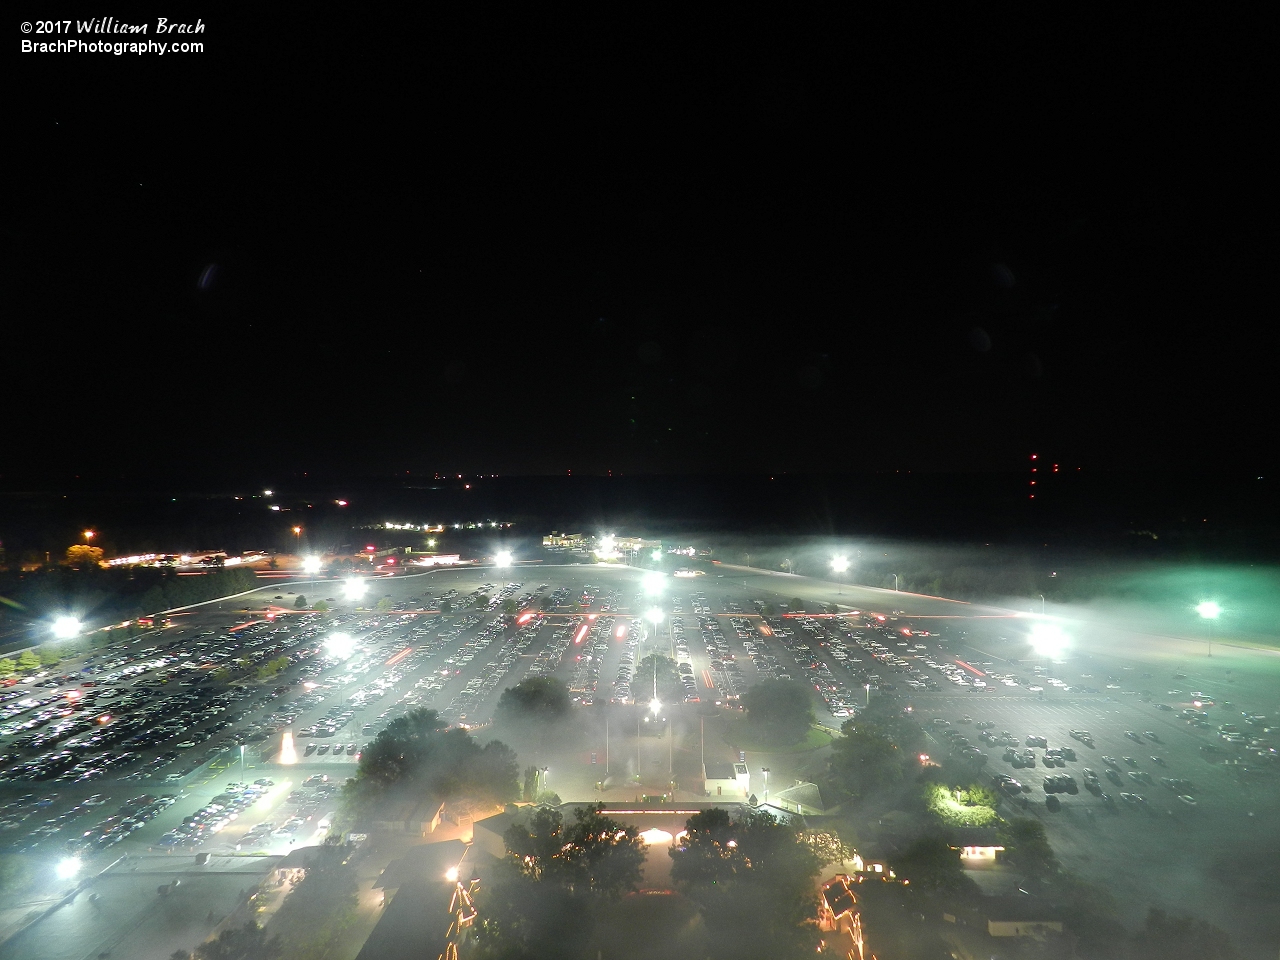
1048 640
353 589
839 564
64 628
341 503
340 645
68 868
1209 610
311 565
267 493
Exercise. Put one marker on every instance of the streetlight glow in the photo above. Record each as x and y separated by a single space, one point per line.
839 564
654 615
340 645
503 558
1209 609
451 874
653 582
311 565
353 589
68 868
655 705
1048 640
64 628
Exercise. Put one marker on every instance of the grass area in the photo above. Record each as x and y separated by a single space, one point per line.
739 736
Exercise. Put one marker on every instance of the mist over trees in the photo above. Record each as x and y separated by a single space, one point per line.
779 711
419 752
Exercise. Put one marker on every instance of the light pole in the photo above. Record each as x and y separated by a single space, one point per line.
868 689
502 561
242 763
895 583
765 771
297 539
1209 611
840 565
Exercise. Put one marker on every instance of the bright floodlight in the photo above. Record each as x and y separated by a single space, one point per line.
503 558
451 874
311 565
839 564
340 645
653 582
655 705
1209 610
654 615
353 589
64 628
606 543
656 555
68 868
1048 640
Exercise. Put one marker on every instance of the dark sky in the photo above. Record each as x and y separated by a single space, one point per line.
541 245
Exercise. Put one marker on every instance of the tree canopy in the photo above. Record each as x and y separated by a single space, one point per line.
932 865
873 751
535 698
779 711
670 689
419 750
554 880
1180 937
754 880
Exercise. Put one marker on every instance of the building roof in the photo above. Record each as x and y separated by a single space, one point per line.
718 771
425 861
805 795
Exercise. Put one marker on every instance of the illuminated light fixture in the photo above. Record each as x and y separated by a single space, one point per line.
1048 640
274 507
288 753
311 565
89 534
340 645
267 493
1209 609
64 628
656 555
653 835
839 564
655 705
654 616
353 589
653 582
503 558
451 874
341 503
68 868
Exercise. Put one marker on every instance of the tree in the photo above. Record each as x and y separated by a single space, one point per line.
81 556
553 880
1180 937
446 606
932 865
530 787
670 689
300 603
241 943
865 758
27 661
480 600
7 667
320 606
419 751
49 657
795 604
754 880
384 605
779 711
541 699
768 610
510 607
1027 846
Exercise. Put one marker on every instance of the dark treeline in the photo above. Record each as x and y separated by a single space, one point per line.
99 597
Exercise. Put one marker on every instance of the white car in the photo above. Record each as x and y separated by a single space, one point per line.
1035 688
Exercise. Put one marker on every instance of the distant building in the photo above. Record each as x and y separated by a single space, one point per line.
557 541
840 919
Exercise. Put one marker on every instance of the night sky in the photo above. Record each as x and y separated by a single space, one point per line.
589 245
